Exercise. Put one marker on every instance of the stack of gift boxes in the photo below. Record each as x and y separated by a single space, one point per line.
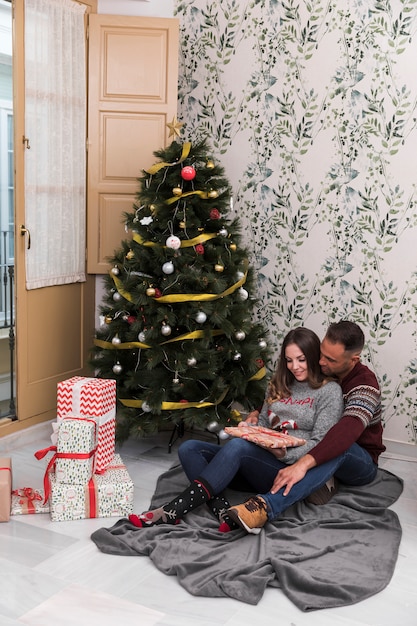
84 478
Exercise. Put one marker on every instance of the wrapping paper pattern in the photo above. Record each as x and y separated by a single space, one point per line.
28 501
77 436
264 437
5 488
105 495
92 398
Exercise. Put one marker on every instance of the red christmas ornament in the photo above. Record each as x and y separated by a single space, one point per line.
188 172
260 363
131 319
183 401
199 248
214 214
158 293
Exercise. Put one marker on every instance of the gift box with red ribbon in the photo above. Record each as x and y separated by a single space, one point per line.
105 495
91 398
5 488
28 501
76 447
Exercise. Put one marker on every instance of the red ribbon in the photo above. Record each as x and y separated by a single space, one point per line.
92 498
27 496
4 468
51 465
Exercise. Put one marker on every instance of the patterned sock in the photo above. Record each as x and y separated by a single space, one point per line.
196 494
218 506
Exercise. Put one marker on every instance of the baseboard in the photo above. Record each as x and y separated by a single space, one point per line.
400 450
24 437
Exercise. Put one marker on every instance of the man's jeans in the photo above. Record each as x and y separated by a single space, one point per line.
245 466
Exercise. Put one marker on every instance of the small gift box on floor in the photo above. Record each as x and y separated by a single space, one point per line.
28 501
5 488
93 398
105 495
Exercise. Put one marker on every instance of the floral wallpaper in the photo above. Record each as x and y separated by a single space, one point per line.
311 107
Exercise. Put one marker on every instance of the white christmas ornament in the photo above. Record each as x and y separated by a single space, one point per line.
117 297
173 242
240 335
213 427
201 317
115 270
223 232
243 294
142 336
168 267
191 361
116 340
262 343
222 435
166 330
145 407
237 356
117 368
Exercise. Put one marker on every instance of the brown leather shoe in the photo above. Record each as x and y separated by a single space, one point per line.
251 515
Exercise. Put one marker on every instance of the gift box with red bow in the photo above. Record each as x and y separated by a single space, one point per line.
5 488
105 495
28 501
91 398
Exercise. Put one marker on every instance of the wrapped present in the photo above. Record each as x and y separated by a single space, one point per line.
105 495
5 488
76 447
93 398
28 501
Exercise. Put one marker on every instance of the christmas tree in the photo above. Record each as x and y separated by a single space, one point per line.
177 329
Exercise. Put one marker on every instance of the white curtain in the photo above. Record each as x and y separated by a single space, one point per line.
55 127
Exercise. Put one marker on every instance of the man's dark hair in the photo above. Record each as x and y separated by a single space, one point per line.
347 333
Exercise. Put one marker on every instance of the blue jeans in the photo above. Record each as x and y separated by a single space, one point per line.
244 466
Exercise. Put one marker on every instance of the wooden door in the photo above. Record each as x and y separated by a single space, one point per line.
54 325
133 69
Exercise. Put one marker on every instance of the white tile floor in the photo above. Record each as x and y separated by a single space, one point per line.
52 574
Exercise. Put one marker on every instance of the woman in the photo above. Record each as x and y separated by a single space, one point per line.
298 395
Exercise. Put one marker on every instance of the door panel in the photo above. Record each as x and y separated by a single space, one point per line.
133 76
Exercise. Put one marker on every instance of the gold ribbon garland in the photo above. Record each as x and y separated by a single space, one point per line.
184 154
128 345
183 297
185 243
174 406
203 194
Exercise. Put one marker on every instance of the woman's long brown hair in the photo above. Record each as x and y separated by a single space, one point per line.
309 344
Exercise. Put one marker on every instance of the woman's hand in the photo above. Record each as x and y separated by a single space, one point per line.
251 418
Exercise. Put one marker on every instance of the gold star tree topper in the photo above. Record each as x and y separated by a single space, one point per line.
174 127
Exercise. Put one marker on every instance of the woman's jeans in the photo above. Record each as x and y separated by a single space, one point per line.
244 466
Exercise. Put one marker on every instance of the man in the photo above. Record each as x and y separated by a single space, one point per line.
348 452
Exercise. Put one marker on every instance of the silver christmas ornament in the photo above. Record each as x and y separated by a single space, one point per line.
117 368
222 435
243 294
240 335
213 427
117 297
142 337
116 340
115 270
166 330
237 356
168 267
200 317
191 361
145 407
223 232
262 343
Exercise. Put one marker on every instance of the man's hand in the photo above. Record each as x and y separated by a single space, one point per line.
292 474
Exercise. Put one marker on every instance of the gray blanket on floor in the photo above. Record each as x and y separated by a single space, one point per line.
319 556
